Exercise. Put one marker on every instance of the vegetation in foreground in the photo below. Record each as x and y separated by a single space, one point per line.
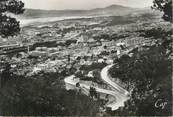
9 26
43 94
148 76
149 71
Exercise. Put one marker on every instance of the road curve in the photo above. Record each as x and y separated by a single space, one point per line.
105 77
119 93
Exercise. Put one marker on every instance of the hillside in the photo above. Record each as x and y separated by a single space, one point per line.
110 10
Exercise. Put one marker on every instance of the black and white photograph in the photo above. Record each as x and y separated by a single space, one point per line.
94 58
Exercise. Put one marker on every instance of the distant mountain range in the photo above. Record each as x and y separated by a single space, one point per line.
116 10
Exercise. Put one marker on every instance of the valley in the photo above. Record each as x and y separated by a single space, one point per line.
82 54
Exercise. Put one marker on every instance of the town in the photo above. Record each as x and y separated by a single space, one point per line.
84 54
54 45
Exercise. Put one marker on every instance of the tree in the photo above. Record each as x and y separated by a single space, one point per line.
93 92
164 6
9 26
149 72
5 75
43 94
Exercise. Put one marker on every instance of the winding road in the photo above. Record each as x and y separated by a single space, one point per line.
120 94
105 77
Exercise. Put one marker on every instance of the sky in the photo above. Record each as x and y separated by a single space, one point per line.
83 4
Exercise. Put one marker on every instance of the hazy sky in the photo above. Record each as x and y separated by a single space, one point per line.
83 4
